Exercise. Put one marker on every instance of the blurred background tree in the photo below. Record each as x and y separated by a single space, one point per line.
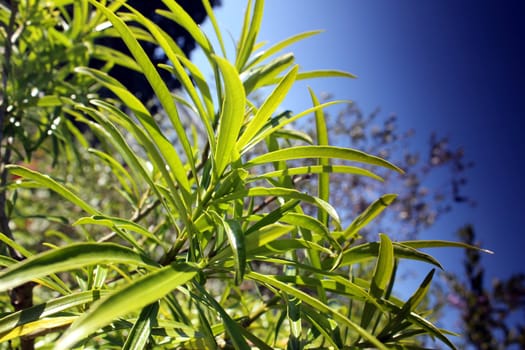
493 315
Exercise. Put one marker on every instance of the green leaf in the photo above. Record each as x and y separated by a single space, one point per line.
311 224
327 73
318 305
18 319
285 245
285 193
372 211
182 18
293 306
231 116
213 20
323 324
266 75
420 244
333 152
255 240
152 75
41 324
395 325
236 239
333 283
111 222
134 296
249 33
270 104
272 217
68 258
382 275
318 169
156 141
285 119
283 44
370 250
323 182
141 330
48 182
232 327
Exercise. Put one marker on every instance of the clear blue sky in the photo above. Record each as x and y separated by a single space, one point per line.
455 67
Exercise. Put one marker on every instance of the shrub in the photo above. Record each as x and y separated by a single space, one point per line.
203 243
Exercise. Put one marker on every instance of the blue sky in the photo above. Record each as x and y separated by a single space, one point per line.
455 67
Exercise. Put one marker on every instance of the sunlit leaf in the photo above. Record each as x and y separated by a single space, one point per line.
283 44
231 116
380 278
269 106
304 297
371 212
141 330
68 258
47 182
331 152
134 296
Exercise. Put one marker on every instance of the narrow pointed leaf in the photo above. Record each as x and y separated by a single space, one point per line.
249 35
134 296
323 182
231 116
420 244
267 74
111 222
395 325
372 211
50 308
285 193
232 328
256 240
271 103
141 330
328 73
381 277
40 325
236 239
152 75
333 152
318 305
318 169
68 258
48 182
283 44
282 122
182 18
367 251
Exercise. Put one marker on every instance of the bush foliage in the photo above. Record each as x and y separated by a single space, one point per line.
158 238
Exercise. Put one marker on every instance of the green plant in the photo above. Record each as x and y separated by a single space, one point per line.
219 250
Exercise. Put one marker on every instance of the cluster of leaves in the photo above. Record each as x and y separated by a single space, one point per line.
135 81
489 315
194 261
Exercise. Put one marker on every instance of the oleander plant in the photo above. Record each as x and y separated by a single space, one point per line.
202 222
